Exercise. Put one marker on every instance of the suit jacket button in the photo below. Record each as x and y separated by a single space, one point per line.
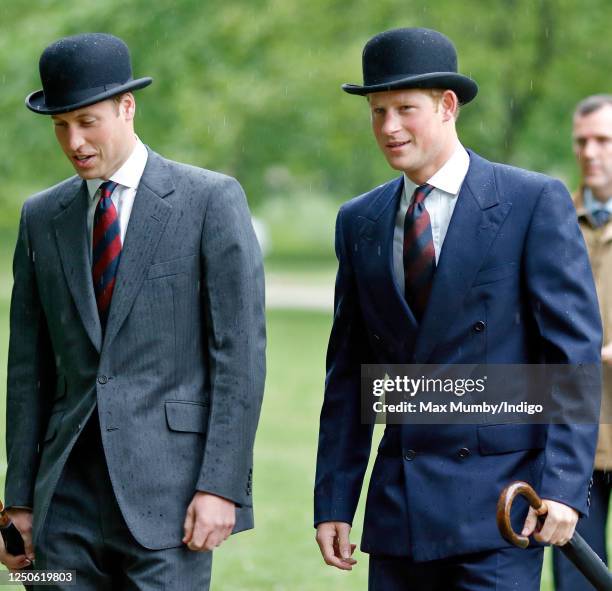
464 452
479 326
410 455
102 379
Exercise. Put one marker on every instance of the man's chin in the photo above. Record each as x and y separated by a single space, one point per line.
86 174
399 163
594 179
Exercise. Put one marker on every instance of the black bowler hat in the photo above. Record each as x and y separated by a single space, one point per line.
82 70
412 58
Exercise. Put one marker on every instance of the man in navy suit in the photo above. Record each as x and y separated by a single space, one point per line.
457 261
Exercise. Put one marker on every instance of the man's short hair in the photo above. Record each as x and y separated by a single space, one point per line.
592 103
436 95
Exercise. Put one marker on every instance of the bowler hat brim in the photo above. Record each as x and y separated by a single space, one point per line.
465 88
36 100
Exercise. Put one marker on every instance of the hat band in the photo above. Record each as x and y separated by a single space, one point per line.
423 76
76 96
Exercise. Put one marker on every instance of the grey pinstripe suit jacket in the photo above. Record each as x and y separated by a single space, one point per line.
178 377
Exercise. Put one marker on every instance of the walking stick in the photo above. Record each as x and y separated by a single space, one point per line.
577 550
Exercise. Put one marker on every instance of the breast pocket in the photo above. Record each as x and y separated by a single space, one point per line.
497 273
176 266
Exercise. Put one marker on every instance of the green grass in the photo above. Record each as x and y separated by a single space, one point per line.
6 281
281 553
304 266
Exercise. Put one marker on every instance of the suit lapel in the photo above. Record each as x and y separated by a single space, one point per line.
475 222
71 234
148 219
375 242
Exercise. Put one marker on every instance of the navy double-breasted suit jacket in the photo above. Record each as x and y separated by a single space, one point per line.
513 285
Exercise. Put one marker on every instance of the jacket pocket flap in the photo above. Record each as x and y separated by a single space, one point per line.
500 439
184 415
53 425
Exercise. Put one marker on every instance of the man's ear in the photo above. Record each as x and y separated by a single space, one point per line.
127 106
449 103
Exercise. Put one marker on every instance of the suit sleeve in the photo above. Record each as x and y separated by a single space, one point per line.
564 305
30 374
344 443
234 298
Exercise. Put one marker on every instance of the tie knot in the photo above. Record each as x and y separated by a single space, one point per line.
421 192
107 188
601 217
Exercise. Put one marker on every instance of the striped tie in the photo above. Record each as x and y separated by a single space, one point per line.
419 253
106 250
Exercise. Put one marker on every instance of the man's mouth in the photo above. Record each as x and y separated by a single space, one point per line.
397 145
83 161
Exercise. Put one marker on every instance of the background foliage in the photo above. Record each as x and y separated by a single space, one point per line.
252 88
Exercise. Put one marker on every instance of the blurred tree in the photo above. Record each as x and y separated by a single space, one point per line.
252 87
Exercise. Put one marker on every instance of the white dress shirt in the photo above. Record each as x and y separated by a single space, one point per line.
127 179
440 204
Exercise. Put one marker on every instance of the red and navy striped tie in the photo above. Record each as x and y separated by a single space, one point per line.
419 253
106 250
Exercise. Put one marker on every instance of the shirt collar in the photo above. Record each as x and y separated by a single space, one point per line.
130 172
592 205
449 178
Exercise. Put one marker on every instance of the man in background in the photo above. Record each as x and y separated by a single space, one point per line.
592 139
457 261
136 359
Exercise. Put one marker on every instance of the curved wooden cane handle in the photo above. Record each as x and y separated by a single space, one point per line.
504 506
4 518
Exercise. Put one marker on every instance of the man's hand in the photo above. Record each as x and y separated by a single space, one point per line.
209 521
10 561
558 527
334 543
22 520
606 354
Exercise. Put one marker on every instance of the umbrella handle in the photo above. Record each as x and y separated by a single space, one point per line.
504 506
577 550
4 518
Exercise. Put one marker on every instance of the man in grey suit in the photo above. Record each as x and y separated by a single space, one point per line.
137 348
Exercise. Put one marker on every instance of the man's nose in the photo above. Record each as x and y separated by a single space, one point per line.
590 149
75 139
391 123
